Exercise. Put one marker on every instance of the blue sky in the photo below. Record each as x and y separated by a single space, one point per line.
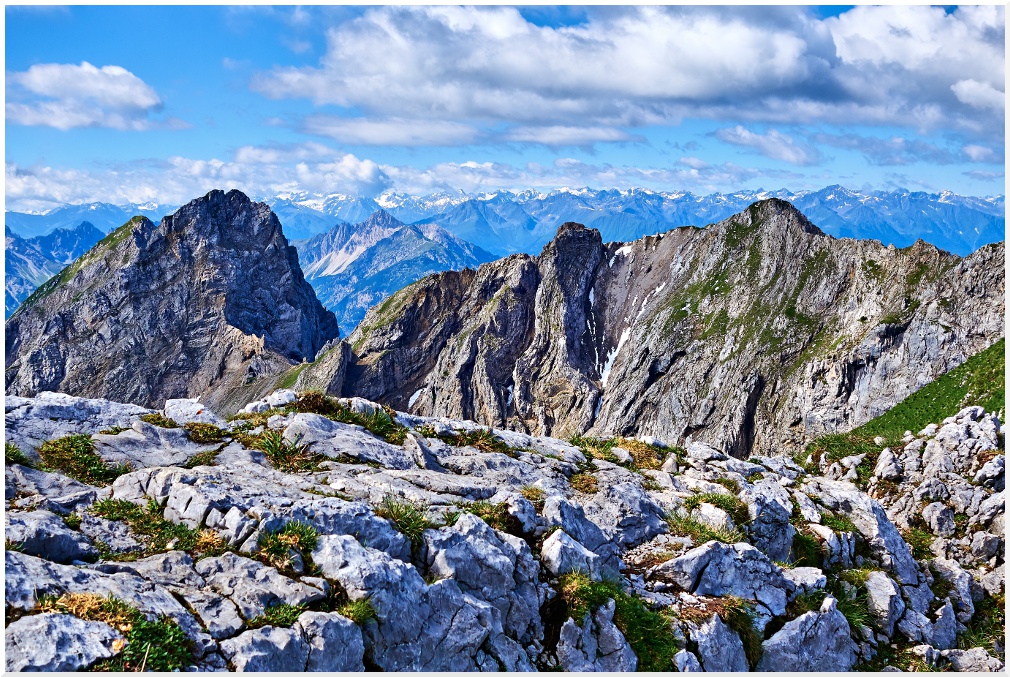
136 104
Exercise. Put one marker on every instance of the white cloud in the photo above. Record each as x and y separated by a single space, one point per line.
978 94
621 68
266 171
773 144
390 131
66 96
561 135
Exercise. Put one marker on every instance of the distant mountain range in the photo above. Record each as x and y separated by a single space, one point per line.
502 223
353 267
30 262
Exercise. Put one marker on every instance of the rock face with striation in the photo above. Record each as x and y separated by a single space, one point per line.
756 333
209 303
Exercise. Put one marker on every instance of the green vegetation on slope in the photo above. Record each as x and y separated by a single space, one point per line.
979 381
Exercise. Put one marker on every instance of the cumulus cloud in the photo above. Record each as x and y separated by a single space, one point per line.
266 171
772 144
66 96
621 68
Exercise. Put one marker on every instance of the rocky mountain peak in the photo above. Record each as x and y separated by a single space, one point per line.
757 333
209 301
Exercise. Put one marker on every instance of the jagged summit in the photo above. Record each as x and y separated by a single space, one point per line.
757 333
209 301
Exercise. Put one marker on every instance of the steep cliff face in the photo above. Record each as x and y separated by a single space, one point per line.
209 303
755 334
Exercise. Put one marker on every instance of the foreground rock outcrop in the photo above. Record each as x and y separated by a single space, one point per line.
211 303
333 535
755 334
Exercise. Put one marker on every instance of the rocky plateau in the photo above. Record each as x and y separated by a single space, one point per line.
311 533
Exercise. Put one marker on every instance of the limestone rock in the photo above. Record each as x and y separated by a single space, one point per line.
185 410
335 643
253 586
43 534
719 647
562 554
267 649
57 643
883 601
817 641
598 646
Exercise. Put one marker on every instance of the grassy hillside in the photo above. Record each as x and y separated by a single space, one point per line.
979 381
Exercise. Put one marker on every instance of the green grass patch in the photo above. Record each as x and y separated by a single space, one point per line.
647 632
919 540
205 433
159 420
203 458
407 516
732 485
483 440
277 548
584 482
73 521
156 532
534 495
987 628
700 533
496 515
289 379
594 447
734 507
839 523
287 456
75 457
807 550
979 381
13 454
279 615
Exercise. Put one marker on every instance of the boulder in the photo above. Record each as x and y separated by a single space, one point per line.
334 642
253 586
992 474
770 509
817 641
149 446
972 660
57 643
494 567
336 440
719 648
883 601
720 569
685 661
562 554
598 646
184 411
418 627
888 466
950 571
267 649
43 534
940 519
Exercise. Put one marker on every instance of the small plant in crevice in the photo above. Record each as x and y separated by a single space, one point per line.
13 454
205 433
73 521
279 615
157 533
681 525
987 628
279 548
584 482
807 550
288 456
159 419
203 458
360 611
407 516
733 506
114 430
75 457
738 614
482 439
919 540
534 495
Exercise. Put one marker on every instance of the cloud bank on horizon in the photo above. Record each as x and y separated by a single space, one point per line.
422 99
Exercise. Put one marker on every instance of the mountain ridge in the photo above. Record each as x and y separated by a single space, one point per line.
744 311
